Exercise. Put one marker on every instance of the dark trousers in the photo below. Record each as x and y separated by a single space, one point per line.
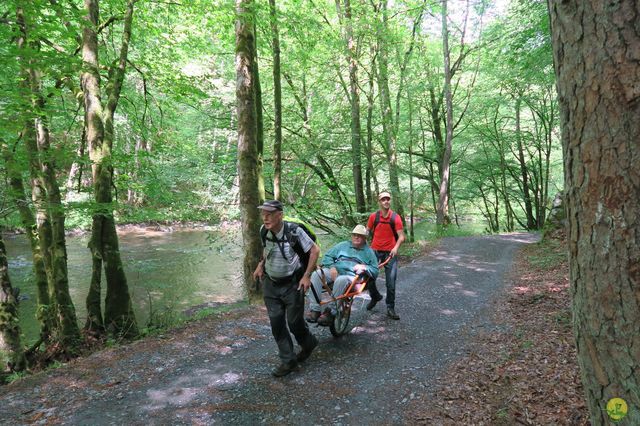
390 274
285 306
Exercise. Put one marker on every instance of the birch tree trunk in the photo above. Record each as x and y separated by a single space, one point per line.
596 53
247 142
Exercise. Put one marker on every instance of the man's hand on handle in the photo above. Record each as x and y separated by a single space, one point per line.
305 283
259 272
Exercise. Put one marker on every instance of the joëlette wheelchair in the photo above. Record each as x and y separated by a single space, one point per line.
344 302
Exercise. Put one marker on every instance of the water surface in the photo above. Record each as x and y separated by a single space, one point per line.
168 272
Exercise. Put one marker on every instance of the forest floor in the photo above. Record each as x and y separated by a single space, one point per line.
485 338
525 370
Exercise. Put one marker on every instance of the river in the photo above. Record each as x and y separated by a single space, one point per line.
169 272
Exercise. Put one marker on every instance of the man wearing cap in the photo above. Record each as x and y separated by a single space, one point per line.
285 280
387 235
340 264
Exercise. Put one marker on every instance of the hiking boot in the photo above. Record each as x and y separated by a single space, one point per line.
284 368
392 314
326 318
305 353
312 316
373 302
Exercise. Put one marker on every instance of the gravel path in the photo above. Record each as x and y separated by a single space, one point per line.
217 370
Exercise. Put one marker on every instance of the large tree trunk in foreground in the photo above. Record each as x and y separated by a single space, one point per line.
247 141
597 51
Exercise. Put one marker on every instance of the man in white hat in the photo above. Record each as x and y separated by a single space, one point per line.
340 264
387 235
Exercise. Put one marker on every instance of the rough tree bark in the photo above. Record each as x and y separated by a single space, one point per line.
59 317
247 142
11 353
18 195
119 318
597 55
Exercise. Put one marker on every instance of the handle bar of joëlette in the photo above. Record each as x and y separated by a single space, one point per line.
355 287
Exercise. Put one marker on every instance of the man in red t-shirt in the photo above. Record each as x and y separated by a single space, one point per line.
385 227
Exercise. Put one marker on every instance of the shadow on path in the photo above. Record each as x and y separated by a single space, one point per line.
217 370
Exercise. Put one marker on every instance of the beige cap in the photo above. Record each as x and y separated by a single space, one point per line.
360 230
384 194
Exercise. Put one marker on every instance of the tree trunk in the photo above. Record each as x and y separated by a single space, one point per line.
75 173
247 142
277 103
596 58
257 89
443 218
369 172
524 172
119 318
68 332
17 193
43 222
411 198
354 100
135 198
389 134
11 353
46 196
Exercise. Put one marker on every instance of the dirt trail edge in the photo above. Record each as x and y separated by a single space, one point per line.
217 370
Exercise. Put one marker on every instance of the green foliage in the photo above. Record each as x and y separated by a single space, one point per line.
55 365
162 319
175 130
14 376
552 256
429 231
175 147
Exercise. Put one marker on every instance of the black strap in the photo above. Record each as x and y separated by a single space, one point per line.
391 223
279 242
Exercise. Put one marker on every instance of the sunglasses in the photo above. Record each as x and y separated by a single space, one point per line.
385 199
